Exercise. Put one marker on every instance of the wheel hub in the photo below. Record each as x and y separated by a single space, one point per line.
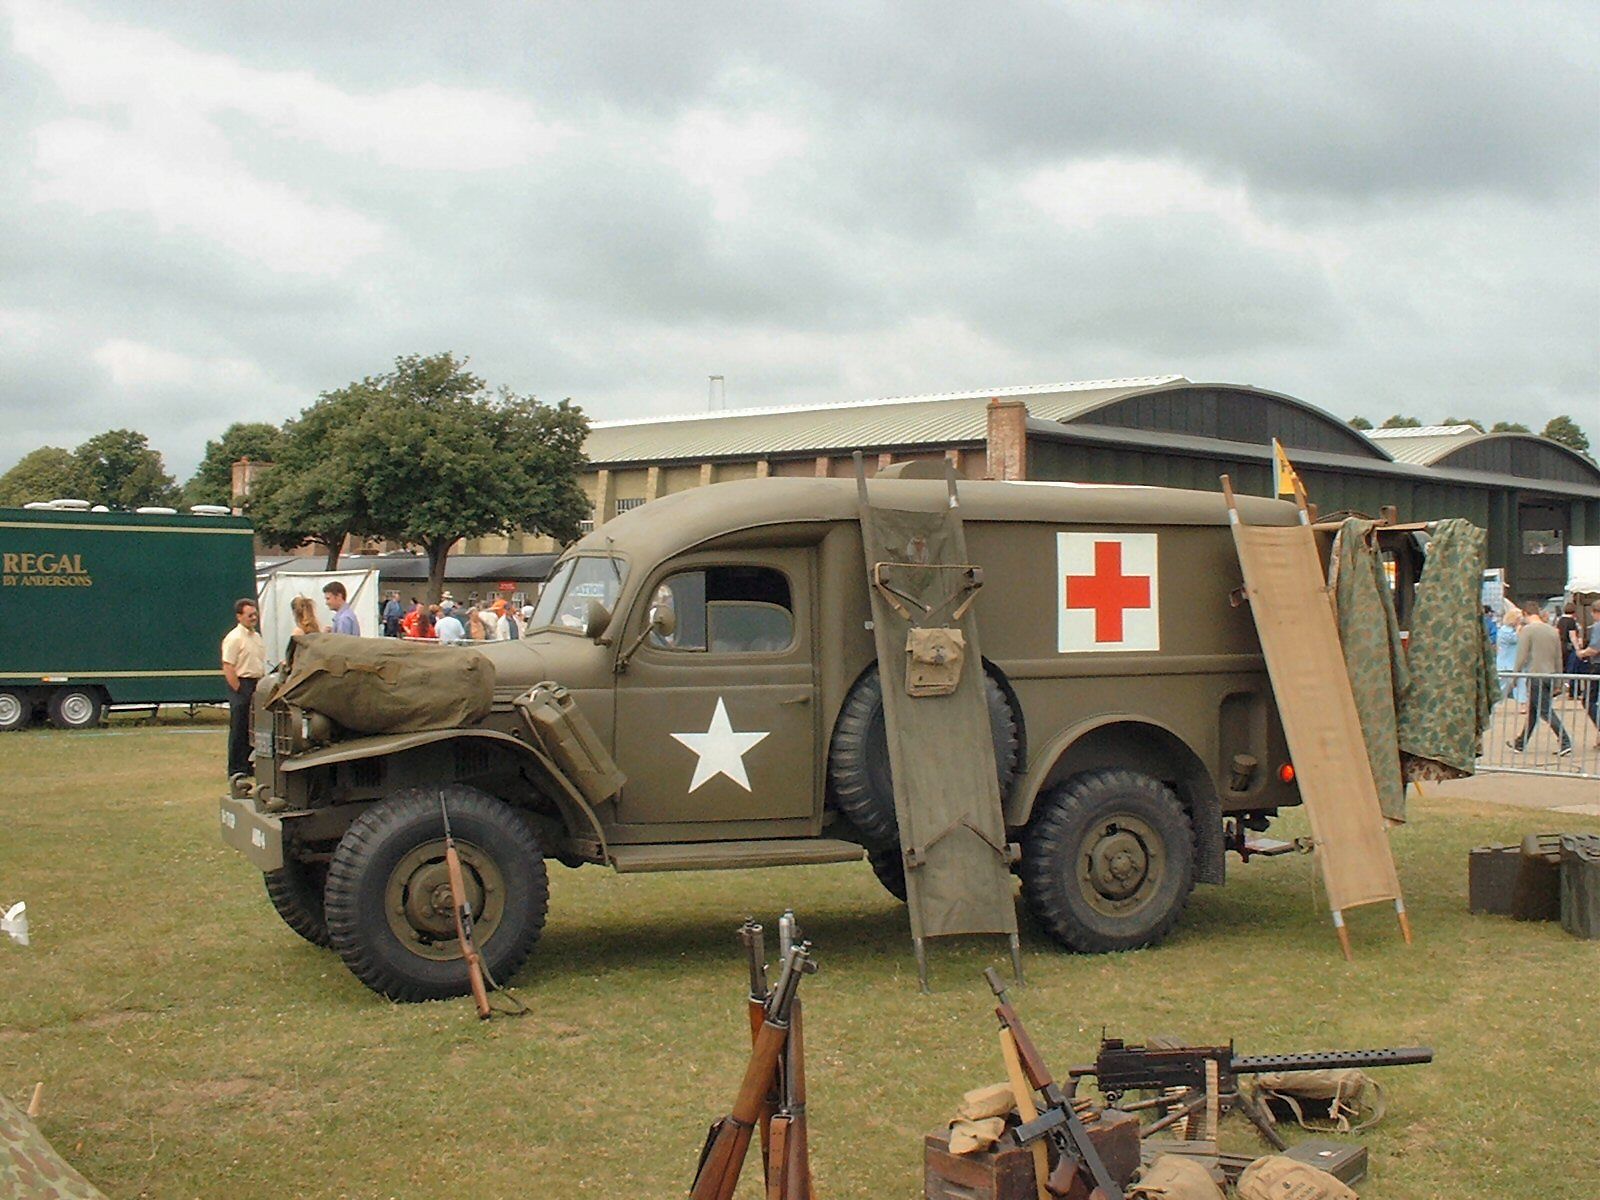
420 907
10 709
1120 865
77 708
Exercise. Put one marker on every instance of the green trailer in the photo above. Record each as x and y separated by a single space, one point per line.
104 608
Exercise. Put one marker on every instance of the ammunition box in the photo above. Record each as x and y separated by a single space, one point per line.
1580 885
1517 881
1345 1161
1006 1172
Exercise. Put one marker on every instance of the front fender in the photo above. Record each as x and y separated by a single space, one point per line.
576 812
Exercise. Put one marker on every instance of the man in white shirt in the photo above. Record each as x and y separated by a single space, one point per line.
244 662
448 627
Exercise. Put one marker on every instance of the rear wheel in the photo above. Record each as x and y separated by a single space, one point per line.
296 890
388 894
1108 861
890 868
76 708
16 710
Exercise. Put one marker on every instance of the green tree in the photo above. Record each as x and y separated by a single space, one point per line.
212 482
313 494
1359 422
1399 422
1565 430
118 468
1509 427
441 458
48 473
1473 421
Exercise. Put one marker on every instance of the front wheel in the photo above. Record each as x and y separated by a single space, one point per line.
388 898
1108 861
295 890
76 708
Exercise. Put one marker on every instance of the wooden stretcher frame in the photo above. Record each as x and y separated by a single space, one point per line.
1300 640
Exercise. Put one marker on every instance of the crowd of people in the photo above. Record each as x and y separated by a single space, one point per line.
1531 650
447 622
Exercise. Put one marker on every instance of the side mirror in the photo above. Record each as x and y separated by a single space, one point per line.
595 620
663 622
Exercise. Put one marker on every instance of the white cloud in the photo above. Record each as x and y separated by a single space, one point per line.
729 154
138 366
422 127
1084 195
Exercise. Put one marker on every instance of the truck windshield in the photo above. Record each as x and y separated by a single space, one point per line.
564 603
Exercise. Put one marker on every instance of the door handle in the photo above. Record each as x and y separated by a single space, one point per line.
797 700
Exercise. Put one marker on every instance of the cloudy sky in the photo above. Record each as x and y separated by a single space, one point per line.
214 212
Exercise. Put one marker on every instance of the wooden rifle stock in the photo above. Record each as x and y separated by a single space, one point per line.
463 915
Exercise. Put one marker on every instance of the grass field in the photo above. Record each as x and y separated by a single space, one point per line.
191 1045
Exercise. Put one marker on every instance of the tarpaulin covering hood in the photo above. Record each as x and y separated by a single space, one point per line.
382 685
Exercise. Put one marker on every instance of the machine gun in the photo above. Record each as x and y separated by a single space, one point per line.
1198 1070
1058 1120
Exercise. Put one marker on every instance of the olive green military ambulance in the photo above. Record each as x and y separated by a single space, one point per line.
715 649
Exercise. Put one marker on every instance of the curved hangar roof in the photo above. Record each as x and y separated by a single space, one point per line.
1526 455
1168 403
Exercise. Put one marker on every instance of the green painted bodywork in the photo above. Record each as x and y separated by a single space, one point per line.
133 604
1182 714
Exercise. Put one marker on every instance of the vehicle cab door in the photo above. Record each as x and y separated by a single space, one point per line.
717 719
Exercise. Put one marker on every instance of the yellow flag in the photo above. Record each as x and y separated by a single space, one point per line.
1288 477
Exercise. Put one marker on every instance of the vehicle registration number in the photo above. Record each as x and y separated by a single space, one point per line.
263 741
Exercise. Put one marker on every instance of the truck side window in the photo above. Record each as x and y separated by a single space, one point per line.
728 610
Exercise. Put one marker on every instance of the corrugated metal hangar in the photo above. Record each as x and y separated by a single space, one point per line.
1534 495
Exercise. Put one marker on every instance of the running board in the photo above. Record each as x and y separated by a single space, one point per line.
733 856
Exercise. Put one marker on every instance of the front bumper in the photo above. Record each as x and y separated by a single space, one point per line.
255 834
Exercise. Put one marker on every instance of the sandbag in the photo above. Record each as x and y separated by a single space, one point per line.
384 685
1174 1177
1343 1100
1279 1178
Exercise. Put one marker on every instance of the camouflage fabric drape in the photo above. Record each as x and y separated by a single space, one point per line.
1445 708
1374 657
30 1167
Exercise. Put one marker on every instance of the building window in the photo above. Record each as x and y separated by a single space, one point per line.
628 505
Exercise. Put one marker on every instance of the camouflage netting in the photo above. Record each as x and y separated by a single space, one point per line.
383 685
30 1169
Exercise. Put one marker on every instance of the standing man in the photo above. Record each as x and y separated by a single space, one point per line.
391 615
244 662
1539 654
344 619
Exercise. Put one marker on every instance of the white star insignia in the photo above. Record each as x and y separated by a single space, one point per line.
721 750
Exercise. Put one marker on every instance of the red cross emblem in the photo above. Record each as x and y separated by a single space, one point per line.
1108 592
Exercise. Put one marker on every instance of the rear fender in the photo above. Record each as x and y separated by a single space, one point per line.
1137 743
576 814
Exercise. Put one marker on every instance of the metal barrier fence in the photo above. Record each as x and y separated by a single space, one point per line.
1521 738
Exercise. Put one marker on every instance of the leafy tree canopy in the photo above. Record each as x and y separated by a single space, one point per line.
1359 422
1509 427
1473 421
48 473
118 468
1565 430
441 458
1399 422
212 482
313 493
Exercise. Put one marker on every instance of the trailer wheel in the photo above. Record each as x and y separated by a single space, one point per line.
860 784
1108 861
296 892
76 708
388 895
16 710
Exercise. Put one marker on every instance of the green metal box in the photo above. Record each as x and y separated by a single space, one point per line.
1580 885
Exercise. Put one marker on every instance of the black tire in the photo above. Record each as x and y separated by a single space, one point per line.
1108 861
860 784
76 708
392 857
890 868
16 710
296 891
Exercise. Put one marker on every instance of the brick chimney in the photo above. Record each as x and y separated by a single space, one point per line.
245 474
1008 439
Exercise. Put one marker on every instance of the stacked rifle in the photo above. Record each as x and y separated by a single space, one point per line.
772 1096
